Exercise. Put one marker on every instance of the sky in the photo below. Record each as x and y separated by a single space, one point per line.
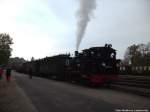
41 28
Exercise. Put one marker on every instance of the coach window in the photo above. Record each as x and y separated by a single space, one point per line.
78 67
124 68
137 68
92 53
149 68
141 68
133 68
145 68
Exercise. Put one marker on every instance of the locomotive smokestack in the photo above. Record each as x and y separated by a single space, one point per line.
76 53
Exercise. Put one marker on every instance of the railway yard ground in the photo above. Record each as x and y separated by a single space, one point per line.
134 84
43 95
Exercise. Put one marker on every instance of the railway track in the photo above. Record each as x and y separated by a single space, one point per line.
136 84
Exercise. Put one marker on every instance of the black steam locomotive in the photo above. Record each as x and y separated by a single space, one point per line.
94 66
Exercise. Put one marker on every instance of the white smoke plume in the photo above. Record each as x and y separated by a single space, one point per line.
84 13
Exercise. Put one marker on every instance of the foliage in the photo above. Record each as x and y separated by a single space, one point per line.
5 49
138 55
16 62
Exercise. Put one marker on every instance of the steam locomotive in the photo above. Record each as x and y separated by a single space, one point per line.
93 66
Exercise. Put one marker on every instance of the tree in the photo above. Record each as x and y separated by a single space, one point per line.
5 49
16 62
132 54
138 55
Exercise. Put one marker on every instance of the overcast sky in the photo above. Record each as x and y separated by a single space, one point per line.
42 28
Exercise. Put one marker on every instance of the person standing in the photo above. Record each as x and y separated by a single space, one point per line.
1 73
8 74
30 73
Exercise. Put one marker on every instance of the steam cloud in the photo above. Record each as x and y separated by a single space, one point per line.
84 12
